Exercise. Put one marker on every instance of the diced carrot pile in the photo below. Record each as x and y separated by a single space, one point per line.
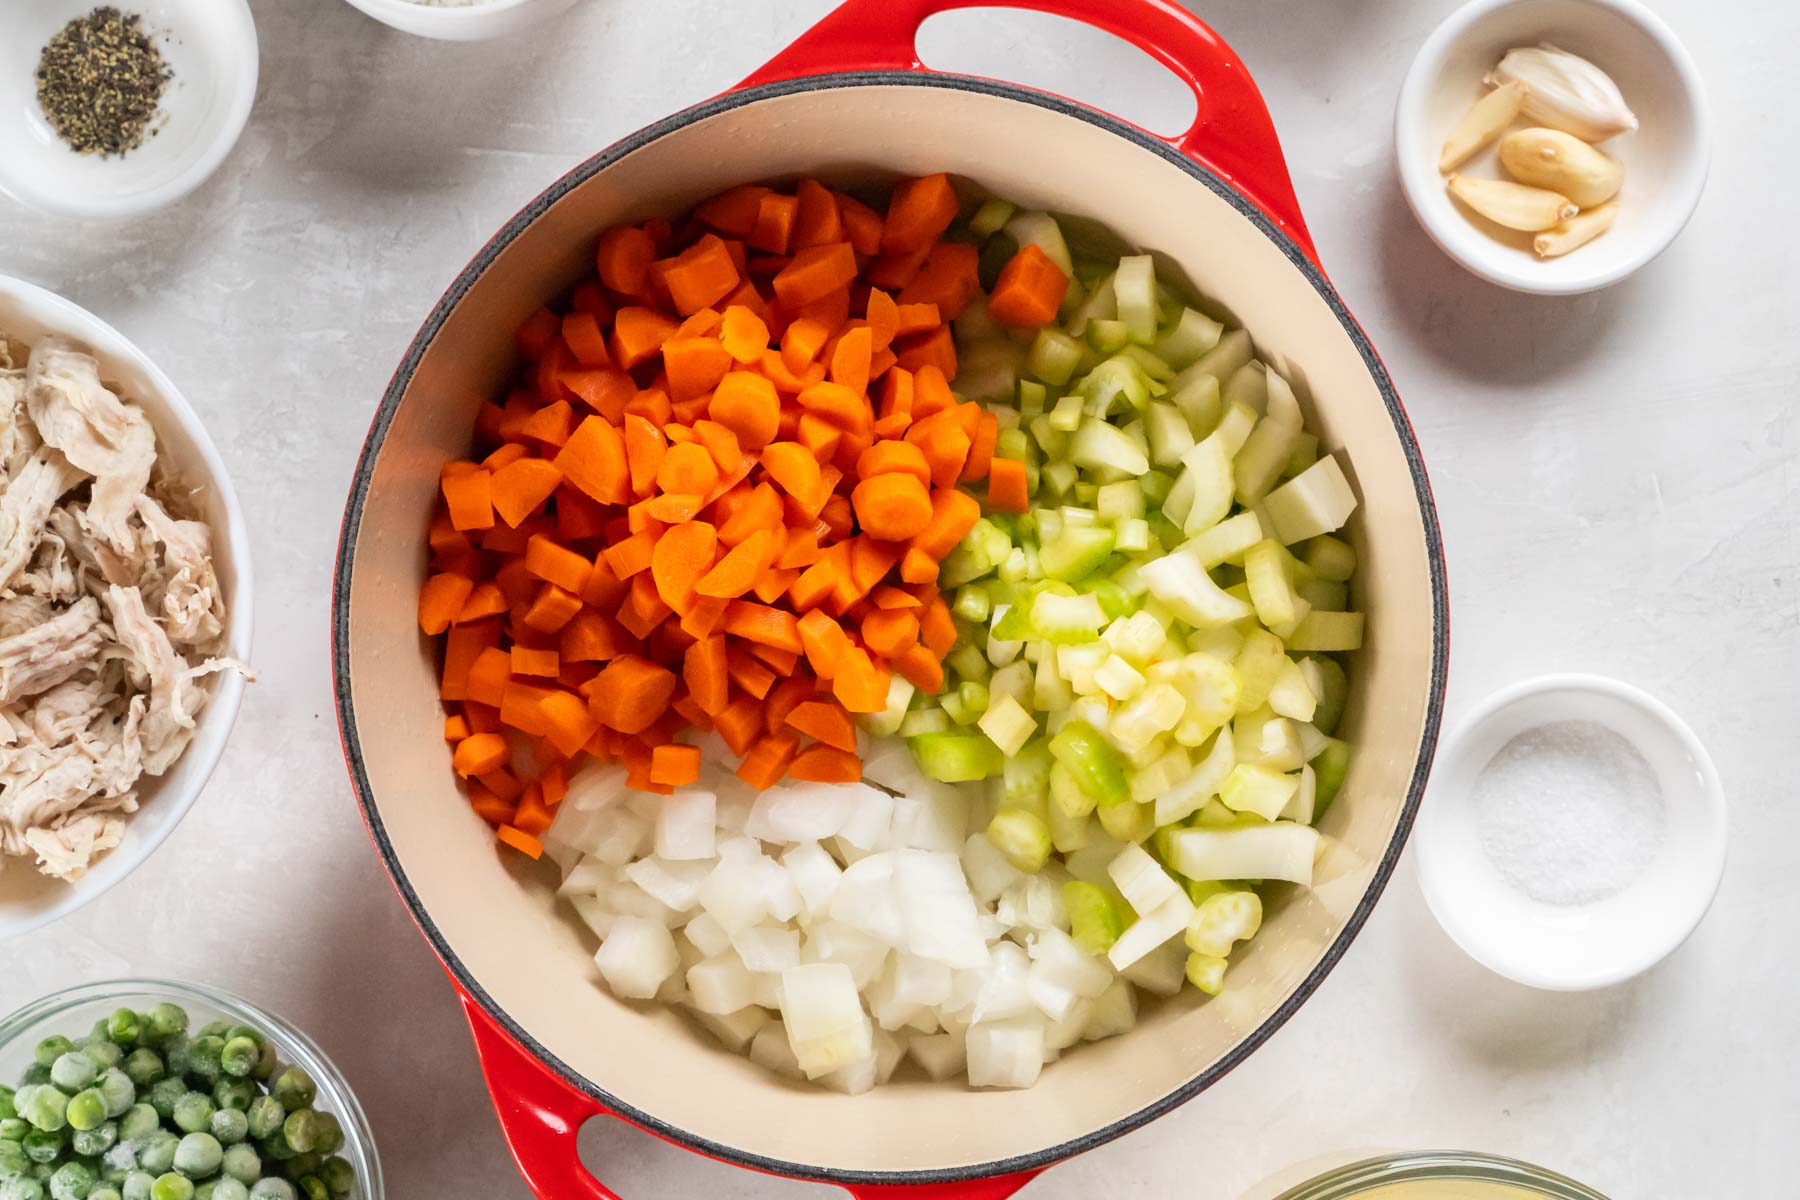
715 500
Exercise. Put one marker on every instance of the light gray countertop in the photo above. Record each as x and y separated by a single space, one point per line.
1615 473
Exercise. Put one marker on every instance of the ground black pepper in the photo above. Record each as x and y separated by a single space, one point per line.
99 82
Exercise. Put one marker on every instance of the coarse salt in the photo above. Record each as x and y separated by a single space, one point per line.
1569 812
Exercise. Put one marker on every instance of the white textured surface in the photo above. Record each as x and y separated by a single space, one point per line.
1615 479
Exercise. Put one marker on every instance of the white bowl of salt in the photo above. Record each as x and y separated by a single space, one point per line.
1574 834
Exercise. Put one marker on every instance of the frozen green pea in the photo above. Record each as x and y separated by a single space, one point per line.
198 1155
51 1049
73 1071
233 1093
13 1161
46 1106
157 1152
193 1112
116 1091
92 1143
238 1056
171 1186
139 1122
230 1126
104 1191
339 1177
165 1021
203 1057
124 1027
101 1050
86 1110
14 1129
265 1115
331 1134
301 1129
164 1094
294 1088
216 1029
42 1146
7 1110
72 1181
137 1186
276 1146
22 1187
313 1188
301 1165
273 1189
242 1163
266 1061
144 1067
229 1189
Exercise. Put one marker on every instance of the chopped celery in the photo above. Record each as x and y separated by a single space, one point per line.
1282 404
1013 679
988 220
1007 724
1134 534
1067 619
1114 386
1254 788
1226 541
1199 401
1165 772
1031 398
972 603
1136 637
1170 434
1206 972
1095 922
1330 766
1258 464
1292 696
1118 678
1108 336
1322 593
1065 417
1134 291
1119 501
1193 334
1233 429
1329 558
969 662
1081 749
1152 711
923 720
1053 356
1015 566
1328 683
1156 372
1248 385
1066 795
1041 230
888 721
1207 468
1074 514
1304 454
1306 797
1316 501
1328 631
1179 582
1068 833
1128 822
1021 837
1098 304
1155 486
1027 773
1265 850
1258 665
1202 784
1075 552
1264 569
957 757
1225 359
1078 663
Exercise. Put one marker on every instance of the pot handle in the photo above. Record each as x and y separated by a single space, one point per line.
540 1114
1232 135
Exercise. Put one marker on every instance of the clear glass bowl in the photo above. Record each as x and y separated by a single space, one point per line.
73 1011
1482 1176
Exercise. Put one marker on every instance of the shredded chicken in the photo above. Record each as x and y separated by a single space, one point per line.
111 617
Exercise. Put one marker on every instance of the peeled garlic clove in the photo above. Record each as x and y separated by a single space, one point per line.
1567 92
1512 204
1482 123
1550 158
1578 230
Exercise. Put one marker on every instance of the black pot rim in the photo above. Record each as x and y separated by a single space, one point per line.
401 380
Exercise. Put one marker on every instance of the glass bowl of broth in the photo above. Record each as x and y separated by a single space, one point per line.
1441 1175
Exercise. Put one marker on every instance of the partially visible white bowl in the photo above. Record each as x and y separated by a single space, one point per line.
1606 941
210 48
463 22
28 899
1665 159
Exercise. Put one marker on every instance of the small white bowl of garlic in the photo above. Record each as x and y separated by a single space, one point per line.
1552 146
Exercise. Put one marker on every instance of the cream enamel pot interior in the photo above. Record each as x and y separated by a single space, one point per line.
556 1047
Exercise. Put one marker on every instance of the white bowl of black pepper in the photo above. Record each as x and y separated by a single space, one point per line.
110 110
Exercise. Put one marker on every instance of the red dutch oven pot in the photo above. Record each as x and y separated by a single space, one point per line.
851 102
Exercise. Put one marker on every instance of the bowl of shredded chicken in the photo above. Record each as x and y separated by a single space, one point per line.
124 620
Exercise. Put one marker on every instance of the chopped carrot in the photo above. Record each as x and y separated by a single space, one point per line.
1029 291
922 669
527 661
694 365
748 674
441 601
936 348
704 670
479 753
701 275
1006 490
638 335
523 842
767 759
468 494
937 629
890 632
683 555
674 764
793 467
818 220
894 506
734 212
953 513
738 723
552 609
688 468
557 564
826 764
815 273
631 693
487 676
773 229
763 623
824 721
918 211
949 278
623 260
850 360
737 572
593 459
746 404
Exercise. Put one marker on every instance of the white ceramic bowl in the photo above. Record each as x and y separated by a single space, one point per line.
210 47
1575 947
465 22
28 899
1665 159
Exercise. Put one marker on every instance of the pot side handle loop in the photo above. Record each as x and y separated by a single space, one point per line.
540 1115
1232 134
